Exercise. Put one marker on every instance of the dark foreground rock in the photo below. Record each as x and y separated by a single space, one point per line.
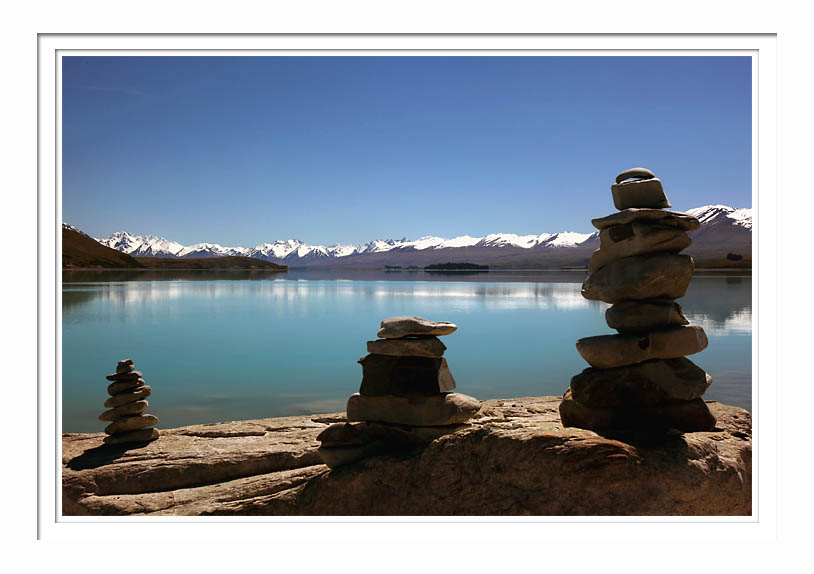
514 458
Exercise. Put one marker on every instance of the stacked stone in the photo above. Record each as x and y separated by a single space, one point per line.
640 378
405 398
127 405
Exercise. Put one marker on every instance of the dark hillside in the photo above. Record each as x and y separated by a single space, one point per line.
82 252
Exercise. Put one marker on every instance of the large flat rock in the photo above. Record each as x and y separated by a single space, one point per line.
515 458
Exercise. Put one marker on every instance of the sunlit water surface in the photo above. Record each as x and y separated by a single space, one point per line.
230 347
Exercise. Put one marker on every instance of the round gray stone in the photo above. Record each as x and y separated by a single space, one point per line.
408 347
125 366
642 384
677 219
141 435
437 410
124 386
131 423
128 397
128 409
657 276
635 173
635 317
608 351
686 416
639 193
637 238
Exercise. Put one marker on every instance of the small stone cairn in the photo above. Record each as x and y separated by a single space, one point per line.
640 378
127 405
404 400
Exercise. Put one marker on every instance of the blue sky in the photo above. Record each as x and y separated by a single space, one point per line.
243 150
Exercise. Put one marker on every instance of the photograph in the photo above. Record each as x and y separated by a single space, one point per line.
452 284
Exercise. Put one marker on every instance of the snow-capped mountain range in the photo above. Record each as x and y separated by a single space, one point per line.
713 213
294 249
721 225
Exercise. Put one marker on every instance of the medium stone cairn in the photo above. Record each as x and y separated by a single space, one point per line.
640 378
127 404
405 400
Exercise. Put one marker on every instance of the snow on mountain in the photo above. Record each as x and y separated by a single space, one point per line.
461 241
379 245
713 213
294 250
142 245
564 239
742 217
568 239
72 228
427 242
277 250
507 239
310 251
211 250
341 250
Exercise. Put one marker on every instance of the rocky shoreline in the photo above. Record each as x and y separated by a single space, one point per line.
514 458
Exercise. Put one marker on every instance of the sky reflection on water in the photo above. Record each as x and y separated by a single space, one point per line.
218 350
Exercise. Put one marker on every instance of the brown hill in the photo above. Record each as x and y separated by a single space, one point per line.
82 252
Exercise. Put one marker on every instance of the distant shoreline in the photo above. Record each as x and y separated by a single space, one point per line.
737 272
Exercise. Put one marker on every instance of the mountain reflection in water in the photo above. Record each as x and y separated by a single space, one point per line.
276 344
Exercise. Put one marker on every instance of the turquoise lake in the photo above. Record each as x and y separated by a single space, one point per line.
242 345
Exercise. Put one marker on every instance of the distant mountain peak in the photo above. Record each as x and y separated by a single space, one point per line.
708 214
141 245
295 251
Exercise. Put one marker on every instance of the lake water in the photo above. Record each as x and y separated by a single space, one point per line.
232 346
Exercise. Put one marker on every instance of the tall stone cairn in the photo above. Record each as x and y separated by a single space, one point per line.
127 403
640 378
405 399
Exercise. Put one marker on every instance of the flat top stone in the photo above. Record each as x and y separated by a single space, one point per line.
636 172
404 326
677 219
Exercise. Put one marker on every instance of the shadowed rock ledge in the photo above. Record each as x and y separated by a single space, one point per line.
514 459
